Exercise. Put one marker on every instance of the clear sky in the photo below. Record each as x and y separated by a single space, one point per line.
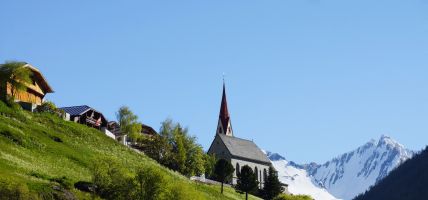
309 79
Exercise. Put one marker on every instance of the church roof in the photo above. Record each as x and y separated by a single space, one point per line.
244 149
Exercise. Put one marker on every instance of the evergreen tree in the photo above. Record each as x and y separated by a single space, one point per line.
272 186
247 181
223 171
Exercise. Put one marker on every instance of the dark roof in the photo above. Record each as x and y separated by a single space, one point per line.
148 130
76 110
242 148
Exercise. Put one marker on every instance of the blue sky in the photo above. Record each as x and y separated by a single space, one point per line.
309 79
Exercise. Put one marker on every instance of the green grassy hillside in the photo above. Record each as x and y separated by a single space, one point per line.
41 154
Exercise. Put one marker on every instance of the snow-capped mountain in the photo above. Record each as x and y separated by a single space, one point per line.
349 174
298 181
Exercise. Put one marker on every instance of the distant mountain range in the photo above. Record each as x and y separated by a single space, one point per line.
345 176
408 181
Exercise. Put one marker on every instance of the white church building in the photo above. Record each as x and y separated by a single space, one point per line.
239 152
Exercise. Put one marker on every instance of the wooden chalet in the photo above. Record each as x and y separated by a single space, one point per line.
36 91
147 130
114 128
86 115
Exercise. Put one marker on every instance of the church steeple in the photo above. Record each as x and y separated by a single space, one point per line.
224 125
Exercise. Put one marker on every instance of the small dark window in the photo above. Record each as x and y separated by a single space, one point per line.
256 173
264 175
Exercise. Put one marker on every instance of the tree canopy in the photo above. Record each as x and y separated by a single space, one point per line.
176 149
128 122
223 171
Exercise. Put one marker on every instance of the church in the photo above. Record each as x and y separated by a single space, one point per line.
239 152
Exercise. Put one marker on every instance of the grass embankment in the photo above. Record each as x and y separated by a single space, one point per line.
40 153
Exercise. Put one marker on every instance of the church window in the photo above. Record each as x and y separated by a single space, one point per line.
264 175
256 173
237 169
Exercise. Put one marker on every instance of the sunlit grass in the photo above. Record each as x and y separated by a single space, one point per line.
37 148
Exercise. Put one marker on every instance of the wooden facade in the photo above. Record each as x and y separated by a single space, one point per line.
86 115
36 91
148 131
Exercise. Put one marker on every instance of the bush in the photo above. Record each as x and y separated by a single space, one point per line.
111 180
10 102
182 192
148 183
49 107
151 183
84 186
63 181
292 197
18 191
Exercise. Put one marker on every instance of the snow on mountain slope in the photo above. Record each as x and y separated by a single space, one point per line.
354 172
345 176
298 180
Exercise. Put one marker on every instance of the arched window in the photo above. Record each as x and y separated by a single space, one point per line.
237 169
264 175
256 173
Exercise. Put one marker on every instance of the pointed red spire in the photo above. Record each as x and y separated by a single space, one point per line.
224 112
224 116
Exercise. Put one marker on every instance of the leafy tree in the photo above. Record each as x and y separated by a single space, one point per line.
157 148
178 150
223 171
209 164
272 186
17 76
128 123
247 181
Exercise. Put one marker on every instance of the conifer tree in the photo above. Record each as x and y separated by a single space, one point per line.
223 171
272 186
247 181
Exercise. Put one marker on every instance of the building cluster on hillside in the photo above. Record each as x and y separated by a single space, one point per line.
34 96
239 152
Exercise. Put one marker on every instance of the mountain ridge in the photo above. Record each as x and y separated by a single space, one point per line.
353 172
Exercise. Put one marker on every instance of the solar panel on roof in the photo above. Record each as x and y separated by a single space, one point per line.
75 110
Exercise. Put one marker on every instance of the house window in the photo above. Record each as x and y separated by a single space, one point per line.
237 169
